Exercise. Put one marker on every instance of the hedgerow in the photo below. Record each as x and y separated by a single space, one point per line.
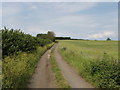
20 53
17 41
18 69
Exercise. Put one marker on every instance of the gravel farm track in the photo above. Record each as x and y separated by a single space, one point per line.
43 76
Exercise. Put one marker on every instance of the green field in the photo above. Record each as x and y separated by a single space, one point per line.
96 61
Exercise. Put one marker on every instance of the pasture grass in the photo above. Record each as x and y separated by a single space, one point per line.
96 61
60 81
18 69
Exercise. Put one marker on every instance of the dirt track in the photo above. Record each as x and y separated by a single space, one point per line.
44 78
70 75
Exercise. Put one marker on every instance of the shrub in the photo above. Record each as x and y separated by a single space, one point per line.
16 41
21 53
105 72
17 70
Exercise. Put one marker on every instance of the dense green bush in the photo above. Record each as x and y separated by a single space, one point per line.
105 72
16 41
21 53
18 69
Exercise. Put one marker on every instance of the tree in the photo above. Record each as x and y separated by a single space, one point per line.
63 38
108 39
51 35
42 36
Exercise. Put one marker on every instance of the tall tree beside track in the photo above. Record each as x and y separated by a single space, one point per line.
50 35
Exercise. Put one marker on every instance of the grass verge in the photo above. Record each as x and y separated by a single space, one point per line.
92 63
60 81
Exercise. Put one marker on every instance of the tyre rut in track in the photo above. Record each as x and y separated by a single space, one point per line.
70 75
43 76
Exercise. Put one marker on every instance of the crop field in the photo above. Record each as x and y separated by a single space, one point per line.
96 61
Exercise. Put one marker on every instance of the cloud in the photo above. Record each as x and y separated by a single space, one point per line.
10 10
101 35
74 7
0 9
0 15
65 19
73 21
36 30
33 7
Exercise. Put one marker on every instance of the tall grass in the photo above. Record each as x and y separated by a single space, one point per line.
96 61
17 70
